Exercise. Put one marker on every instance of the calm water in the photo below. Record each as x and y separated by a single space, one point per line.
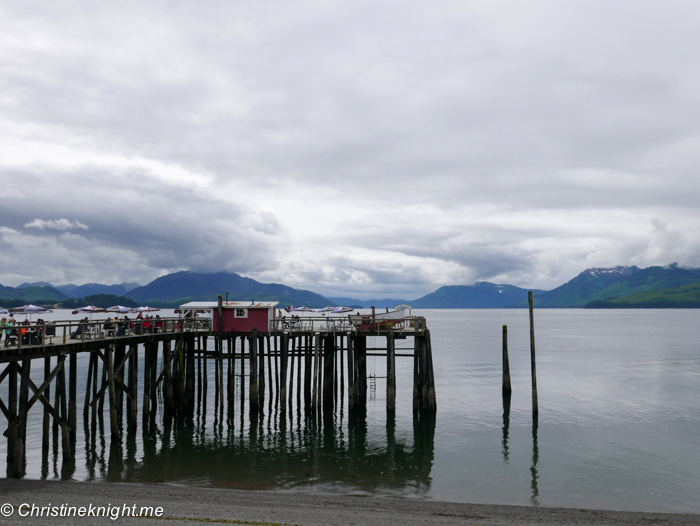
618 426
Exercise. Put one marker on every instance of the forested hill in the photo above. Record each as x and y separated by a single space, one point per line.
481 295
178 288
598 284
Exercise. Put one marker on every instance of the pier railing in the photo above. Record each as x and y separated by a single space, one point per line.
68 331
337 324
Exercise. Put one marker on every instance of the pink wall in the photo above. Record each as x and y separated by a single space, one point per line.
257 319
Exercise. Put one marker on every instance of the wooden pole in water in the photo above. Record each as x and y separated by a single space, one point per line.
91 364
114 427
242 375
269 368
316 372
328 379
506 364
284 348
253 385
119 352
61 395
205 374
416 373
351 372
73 396
390 373
277 369
167 376
300 347
132 405
47 395
190 378
261 370
94 388
23 409
12 453
535 407
432 401
146 385
200 357
291 372
361 358
230 370
342 366
219 355
181 371
308 357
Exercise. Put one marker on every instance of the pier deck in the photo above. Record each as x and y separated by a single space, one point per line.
306 363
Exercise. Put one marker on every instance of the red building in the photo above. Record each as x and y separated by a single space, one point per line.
238 316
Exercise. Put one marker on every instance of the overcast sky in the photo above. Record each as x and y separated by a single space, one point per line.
362 148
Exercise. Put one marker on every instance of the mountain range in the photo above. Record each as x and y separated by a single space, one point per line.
617 287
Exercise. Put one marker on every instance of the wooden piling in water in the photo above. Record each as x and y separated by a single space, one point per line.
152 347
361 368
284 348
352 398
328 353
113 424
13 455
190 373
269 369
119 352
506 365
308 367
146 406
261 370
390 373
432 400
133 392
167 377
47 415
91 365
416 374
292 354
533 367
20 458
253 385
205 374
316 371
300 351
73 396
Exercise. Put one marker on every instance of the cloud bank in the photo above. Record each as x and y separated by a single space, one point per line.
347 147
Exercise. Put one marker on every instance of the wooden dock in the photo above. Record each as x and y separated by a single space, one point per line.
302 365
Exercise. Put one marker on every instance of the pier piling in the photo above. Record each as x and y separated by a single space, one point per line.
533 367
506 389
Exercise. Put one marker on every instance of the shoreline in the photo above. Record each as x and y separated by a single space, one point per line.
192 505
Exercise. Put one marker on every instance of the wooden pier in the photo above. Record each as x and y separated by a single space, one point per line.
304 366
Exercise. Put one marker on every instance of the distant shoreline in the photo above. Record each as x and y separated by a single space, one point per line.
191 505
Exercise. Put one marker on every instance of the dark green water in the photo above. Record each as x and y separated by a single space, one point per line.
618 425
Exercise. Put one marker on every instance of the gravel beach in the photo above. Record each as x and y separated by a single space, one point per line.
169 504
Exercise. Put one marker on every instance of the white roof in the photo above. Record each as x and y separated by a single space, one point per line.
230 305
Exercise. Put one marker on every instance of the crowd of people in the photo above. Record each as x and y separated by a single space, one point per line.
11 329
139 325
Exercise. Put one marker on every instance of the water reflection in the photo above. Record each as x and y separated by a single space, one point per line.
506 426
271 452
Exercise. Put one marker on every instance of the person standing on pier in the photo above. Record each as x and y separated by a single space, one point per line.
3 324
8 330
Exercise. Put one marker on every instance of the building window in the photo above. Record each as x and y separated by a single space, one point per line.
241 313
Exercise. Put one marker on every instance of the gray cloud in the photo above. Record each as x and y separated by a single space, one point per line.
347 146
